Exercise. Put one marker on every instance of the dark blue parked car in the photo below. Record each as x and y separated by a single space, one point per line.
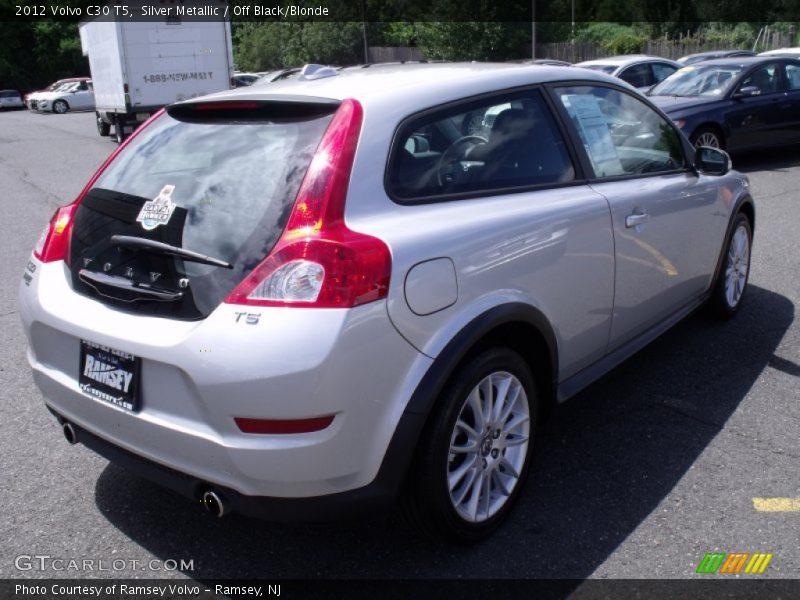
735 103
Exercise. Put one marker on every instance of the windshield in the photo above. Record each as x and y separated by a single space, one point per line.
604 68
708 81
65 87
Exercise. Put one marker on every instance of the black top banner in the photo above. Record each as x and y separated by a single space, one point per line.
625 11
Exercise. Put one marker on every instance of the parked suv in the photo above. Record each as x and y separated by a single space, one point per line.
311 298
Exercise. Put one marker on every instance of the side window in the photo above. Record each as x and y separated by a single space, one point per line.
637 75
661 71
621 134
793 76
766 79
498 143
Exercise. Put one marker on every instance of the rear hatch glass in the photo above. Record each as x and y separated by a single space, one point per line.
218 183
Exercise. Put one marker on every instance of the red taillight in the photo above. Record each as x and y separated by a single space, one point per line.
318 262
283 426
53 243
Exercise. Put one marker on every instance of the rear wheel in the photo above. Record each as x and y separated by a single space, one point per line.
708 136
103 128
731 282
60 107
473 457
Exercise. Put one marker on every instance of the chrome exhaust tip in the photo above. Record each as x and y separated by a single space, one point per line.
69 433
214 504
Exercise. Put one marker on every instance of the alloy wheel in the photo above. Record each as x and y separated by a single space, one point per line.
707 138
737 266
488 447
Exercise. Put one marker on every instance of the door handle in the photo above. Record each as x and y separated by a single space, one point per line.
635 219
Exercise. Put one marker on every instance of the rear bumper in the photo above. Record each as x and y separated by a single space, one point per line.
198 376
377 496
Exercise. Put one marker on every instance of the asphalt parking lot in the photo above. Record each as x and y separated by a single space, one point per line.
637 477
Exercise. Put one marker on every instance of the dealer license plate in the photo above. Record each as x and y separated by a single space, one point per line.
110 375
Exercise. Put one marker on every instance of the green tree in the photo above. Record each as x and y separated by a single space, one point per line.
33 54
272 45
472 40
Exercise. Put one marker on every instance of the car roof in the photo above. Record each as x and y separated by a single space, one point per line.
717 53
778 51
734 61
619 61
419 84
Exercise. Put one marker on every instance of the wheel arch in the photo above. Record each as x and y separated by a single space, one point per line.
515 325
744 205
747 207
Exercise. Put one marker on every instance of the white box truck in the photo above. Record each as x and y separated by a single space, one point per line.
140 67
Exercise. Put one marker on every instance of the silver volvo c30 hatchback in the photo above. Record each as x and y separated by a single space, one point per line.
312 297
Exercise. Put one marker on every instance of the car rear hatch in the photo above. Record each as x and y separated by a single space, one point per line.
193 204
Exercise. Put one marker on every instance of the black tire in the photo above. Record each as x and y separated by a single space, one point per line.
103 128
706 133
719 305
60 107
427 497
119 129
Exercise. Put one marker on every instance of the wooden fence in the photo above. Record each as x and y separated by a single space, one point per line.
674 49
378 54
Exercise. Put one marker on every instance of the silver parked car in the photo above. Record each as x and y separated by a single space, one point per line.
639 70
313 297
78 95
11 99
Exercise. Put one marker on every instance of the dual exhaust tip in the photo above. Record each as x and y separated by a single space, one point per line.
214 504
69 432
212 501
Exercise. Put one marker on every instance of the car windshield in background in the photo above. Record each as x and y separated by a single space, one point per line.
708 81
9 94
604 68
64 87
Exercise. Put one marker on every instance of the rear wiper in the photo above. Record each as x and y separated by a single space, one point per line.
137 243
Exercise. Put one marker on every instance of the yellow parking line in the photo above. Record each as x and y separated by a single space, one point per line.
777 504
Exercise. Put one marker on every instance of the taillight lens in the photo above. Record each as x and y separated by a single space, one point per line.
53 244
319 262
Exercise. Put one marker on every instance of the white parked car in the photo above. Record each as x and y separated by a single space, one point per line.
70 96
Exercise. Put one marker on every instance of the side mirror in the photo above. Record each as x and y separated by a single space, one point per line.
711 161
748 91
